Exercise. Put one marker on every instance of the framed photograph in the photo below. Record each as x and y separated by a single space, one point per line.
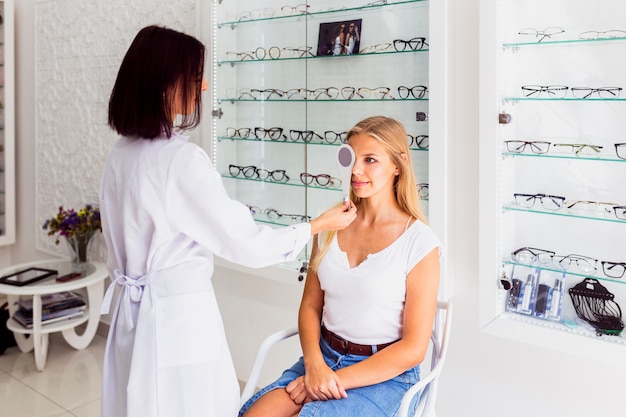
339 38
27 276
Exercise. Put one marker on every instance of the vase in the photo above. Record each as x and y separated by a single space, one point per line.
79 246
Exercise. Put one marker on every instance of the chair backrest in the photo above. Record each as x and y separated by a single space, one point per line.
426 387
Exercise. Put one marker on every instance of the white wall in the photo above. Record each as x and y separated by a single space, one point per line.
485 375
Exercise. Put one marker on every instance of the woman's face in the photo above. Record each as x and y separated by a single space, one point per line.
374 171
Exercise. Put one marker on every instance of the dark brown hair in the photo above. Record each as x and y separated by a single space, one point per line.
158 61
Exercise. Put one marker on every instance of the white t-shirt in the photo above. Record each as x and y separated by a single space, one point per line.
365 304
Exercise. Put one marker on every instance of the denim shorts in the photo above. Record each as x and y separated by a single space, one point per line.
379 400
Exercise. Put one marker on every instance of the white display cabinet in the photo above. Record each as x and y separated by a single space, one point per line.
286 87
7 124
551 173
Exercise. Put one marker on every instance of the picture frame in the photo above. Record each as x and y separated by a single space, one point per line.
27 276
339 38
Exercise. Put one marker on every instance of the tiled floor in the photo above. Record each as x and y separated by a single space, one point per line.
69 386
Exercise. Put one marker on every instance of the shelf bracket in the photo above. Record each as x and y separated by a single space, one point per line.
217 113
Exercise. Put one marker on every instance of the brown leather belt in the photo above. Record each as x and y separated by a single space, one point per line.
345 347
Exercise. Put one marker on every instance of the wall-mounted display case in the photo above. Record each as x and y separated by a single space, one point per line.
553 198
7 126
290 80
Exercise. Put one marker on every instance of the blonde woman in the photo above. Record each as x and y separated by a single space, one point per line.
370 296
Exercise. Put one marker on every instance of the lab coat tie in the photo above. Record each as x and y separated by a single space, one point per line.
132 290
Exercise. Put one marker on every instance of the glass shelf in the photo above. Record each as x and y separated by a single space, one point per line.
290 183
262 61
558 325
557 156
561 99
562 214
560 271
562 42
243 100
291 142
235 23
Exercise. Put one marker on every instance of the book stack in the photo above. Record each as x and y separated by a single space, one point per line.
54 307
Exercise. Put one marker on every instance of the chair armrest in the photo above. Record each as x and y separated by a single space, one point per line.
261 356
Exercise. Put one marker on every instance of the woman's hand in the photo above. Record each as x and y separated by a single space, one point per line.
297 391
336 218
321 384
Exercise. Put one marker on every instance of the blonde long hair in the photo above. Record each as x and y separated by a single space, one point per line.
392 135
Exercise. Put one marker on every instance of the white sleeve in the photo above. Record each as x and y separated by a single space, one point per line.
421 244
198 206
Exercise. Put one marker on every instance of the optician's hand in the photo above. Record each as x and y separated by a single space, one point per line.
336 218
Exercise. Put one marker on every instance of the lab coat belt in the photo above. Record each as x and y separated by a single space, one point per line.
132 290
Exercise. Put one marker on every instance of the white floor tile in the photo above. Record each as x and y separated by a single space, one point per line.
18 400
90 410
71 378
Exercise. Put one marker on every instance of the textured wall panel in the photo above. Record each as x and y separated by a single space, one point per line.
79 46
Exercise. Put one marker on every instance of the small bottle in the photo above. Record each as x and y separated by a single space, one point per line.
555 305
527 298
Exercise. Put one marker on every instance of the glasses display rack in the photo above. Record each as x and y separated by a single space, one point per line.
552 163
7 129
288 81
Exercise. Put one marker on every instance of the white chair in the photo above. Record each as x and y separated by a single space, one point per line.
426 387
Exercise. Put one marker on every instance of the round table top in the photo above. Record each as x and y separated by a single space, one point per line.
92 273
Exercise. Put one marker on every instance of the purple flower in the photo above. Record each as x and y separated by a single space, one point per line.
69 223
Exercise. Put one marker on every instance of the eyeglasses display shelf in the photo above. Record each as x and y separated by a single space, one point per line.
552 163
288 81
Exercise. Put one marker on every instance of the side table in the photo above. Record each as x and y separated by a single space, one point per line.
94 275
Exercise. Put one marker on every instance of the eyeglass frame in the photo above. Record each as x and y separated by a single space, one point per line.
597 90
250 169
617 147
540 196
576 259
378 48
613 265
598 33
342 136
364 92
237 132
302 135
533 145
294 9
274 214
422 90
257 172
423 190
262 14
421 42
536 256
418 143
548 89
332 181
541 33
267 132
578 147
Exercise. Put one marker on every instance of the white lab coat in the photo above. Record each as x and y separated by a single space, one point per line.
165 214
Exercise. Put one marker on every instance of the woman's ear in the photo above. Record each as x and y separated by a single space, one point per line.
405 159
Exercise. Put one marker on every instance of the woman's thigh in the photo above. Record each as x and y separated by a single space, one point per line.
379 400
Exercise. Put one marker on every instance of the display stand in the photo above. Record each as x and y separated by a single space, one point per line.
550 176
284 94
